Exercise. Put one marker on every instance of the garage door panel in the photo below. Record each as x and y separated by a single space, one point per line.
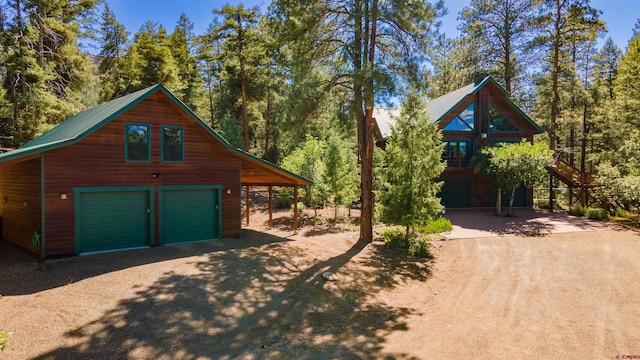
108 220
456 193
188 215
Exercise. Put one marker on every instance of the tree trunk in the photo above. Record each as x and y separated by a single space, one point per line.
499 201
245 112
583 155
554 78
406 236
513 195
366 211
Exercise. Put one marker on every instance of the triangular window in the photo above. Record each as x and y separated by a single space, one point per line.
464 121
500 122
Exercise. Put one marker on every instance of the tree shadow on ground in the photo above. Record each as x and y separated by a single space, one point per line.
257 302
524 222
21 273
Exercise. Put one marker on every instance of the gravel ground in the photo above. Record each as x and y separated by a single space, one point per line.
569 295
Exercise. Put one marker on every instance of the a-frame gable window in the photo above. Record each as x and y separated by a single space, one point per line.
465 121
137 142
499 121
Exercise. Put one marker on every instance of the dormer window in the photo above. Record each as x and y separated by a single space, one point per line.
465 121
137 142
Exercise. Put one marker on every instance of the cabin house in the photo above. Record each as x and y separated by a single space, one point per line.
137 171
476 115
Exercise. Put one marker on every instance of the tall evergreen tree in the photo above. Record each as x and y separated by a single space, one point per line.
241 49
151 57
189 83
340 174
44 70
499 32
565 23
365 43
210 65
626 87
414 162
115 79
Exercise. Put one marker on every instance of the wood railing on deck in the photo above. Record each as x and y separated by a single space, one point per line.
569 174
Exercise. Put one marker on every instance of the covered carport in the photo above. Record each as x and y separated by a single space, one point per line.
257 172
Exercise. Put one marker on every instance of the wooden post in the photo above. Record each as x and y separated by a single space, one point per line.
295 209
248 202
551 192
270 206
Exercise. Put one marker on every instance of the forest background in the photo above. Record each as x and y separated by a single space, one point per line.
271 78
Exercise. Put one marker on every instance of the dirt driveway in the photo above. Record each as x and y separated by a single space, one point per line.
571 295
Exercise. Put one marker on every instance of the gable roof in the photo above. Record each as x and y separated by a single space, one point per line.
88 121
439 107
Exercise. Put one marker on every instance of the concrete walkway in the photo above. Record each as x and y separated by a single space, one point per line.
475 223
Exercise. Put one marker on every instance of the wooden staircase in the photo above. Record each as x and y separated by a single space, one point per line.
580 185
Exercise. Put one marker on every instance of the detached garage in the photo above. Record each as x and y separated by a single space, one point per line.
141 170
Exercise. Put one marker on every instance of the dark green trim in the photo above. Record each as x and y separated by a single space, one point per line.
77 208
42 208
181 128
126 142
218 188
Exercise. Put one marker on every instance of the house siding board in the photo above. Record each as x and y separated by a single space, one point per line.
99 161
21 182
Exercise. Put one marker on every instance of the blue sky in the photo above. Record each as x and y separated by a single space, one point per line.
619 15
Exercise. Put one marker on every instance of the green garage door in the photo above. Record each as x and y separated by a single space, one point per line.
456 193
109 220
188 214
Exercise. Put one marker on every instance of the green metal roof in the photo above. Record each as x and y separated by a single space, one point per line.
86 122
80 125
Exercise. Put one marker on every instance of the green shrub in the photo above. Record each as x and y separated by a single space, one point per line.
419 247
577 210
598 214
393 235
5 338
283 202
436 226
620 212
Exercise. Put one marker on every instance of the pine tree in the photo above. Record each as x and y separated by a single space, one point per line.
365 44
414 162
115 79
626 87
240 47
499 31
151 58
566 24
189 83
340 175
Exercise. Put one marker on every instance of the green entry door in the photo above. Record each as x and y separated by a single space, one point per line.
456 193
189 213
109 220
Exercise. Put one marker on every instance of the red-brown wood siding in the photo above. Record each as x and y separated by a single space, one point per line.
20 182
99 161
